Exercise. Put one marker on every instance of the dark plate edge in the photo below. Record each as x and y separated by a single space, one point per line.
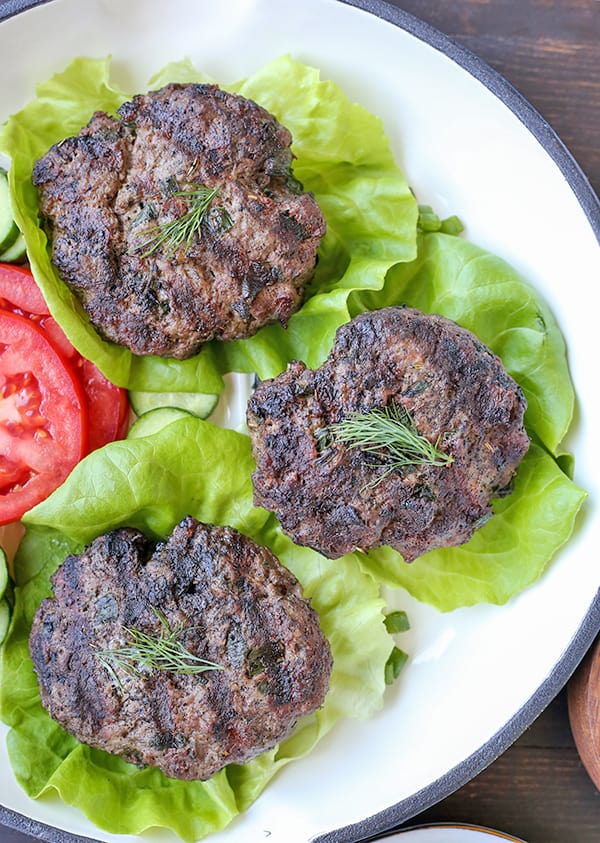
390 819
38 830
10 8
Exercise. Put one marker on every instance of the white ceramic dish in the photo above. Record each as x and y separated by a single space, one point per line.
451 834
469 145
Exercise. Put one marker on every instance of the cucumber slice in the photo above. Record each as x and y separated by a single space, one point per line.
8 228
154 420
15 253
4 619
199 404
3 572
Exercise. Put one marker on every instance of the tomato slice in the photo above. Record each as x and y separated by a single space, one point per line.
20 294
18 290
107 404
43 417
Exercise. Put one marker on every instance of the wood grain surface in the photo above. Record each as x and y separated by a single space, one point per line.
550 51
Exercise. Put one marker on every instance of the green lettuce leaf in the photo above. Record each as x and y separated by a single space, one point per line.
504 556
342 155
191 466
483 293
487 296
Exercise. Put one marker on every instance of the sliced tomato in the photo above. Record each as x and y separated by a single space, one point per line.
107 404
18 290
43 417
20 294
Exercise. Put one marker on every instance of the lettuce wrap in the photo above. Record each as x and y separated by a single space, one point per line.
194 467
486 295
342 155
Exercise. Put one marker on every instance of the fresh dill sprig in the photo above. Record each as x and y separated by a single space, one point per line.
154 652
180 232
390 435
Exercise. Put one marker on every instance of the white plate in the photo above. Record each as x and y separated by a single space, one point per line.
451 834
469 145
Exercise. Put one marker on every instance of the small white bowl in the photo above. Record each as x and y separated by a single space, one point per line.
451 833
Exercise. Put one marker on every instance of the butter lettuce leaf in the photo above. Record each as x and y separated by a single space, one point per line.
504 556
191 466
484 294
342 155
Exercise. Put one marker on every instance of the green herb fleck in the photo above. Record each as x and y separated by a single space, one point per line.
452 225
396 622
429 221
147 213
393 667
262 658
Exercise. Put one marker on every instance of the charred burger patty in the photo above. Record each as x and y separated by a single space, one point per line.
180 220
335 492
219 597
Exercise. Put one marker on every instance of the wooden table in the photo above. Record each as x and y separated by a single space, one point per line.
550 51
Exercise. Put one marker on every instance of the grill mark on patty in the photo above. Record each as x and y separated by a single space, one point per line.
102 192
236 606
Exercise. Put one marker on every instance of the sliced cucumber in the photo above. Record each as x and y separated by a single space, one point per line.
3 572
15 253
8 228
154 420
4 619
199 404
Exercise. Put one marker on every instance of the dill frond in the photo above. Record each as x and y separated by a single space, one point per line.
180 232
154 652
390 435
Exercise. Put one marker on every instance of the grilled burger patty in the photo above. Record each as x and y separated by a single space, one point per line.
227 600
336 498
107 195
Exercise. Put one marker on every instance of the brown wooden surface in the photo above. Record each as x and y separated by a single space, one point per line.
584 712
550 51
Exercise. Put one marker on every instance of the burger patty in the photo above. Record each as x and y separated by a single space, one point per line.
108 196
218 595
333 495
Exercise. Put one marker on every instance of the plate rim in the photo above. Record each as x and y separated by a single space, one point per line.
491 832
395 817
